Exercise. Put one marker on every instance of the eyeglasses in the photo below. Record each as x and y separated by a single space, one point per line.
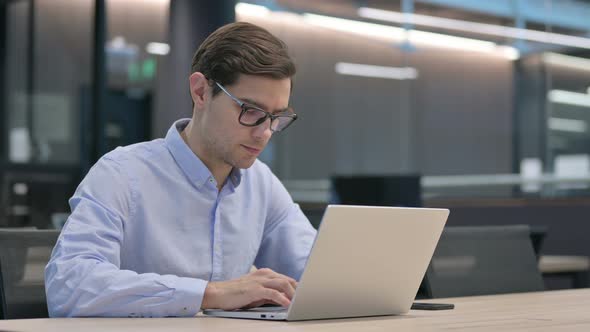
252 116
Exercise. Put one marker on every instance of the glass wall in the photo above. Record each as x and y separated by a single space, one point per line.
135 48
47 62
59 115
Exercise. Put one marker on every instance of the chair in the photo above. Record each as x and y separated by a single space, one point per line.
23 256
538 234
483 260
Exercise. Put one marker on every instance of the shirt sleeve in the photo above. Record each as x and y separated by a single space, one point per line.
83 276
288 235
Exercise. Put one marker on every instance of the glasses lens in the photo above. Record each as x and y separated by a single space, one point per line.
251 116
281 123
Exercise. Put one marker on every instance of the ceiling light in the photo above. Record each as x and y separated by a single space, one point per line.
157 48
389 33
567 61
355 27
481 28
395 73
570 125
251 10
569 98
441 40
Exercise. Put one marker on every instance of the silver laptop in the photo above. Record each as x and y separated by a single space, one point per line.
365 261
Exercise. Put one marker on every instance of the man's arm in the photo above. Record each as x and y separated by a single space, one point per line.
288 235
83 277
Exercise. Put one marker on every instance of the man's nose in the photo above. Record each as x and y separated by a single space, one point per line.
263 131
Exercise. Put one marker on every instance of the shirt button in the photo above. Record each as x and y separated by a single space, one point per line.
211 180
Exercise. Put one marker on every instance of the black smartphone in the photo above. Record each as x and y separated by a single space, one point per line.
432 306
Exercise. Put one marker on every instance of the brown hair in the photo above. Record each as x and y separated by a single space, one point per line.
241 48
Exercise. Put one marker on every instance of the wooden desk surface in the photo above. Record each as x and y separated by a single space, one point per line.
544 311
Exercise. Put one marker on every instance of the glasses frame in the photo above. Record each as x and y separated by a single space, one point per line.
267 115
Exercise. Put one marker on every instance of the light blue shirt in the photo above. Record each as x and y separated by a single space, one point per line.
149 229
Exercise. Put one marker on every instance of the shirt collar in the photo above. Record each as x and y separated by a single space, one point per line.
189 162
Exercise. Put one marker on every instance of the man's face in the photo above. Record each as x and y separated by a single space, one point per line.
226 140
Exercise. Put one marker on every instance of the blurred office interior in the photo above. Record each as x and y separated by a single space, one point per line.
479 106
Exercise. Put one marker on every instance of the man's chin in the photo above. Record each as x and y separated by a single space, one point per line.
244 164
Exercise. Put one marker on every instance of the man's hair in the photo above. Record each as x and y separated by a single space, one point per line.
241 48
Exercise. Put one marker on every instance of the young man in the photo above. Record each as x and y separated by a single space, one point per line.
172 226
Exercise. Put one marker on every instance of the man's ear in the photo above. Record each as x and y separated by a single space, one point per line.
199 89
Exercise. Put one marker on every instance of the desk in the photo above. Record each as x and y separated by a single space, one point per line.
561 264
575 267
567 310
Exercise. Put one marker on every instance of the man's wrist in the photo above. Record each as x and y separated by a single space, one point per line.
209 297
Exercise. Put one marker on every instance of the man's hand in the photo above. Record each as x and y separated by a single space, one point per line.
254 289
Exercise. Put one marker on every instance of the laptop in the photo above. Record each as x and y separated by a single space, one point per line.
365 261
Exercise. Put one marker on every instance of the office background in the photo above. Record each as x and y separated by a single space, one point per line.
486 102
